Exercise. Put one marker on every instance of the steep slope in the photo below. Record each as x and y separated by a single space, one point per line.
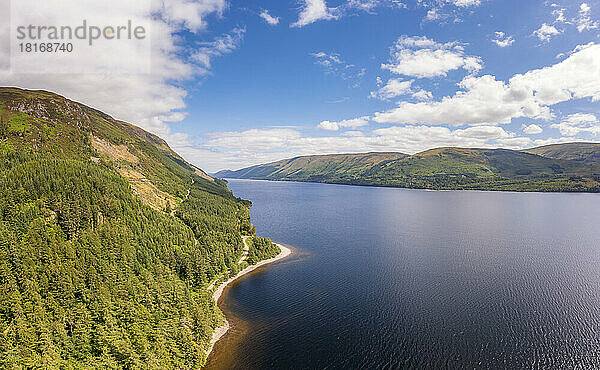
108 240
586 152
442 168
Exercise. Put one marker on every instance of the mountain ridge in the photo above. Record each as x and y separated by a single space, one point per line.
562 167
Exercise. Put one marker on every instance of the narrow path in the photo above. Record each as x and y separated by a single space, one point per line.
187 196
246 249
189 190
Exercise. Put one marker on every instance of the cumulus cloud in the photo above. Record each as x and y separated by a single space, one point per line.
532 129
502 40
189 14
273 21
514 143
545 32
422 95
559 15
422 57
577 123
350 123
393 88
584 22
314 10
145 99
484 133
487 101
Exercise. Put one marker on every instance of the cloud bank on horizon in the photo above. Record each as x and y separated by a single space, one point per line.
233 86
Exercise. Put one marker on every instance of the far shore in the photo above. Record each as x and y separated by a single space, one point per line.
221 330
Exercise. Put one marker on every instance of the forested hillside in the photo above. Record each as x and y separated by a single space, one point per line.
564 167
108 241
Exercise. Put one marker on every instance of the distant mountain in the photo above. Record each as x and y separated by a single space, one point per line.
586 152
563 167
108 241
314 168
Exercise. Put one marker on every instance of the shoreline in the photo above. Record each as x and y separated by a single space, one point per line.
220 331
504 191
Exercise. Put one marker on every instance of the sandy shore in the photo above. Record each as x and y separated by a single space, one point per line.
221 330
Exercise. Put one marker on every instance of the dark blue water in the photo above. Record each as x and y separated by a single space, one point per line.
394 278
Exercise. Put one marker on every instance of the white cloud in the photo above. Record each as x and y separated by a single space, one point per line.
484 133
577 123
399 4
147 100
393 88
502 40
422 95
584 22
224 44
422 57
342 99
433 14
532 129
447 10
364 5
254 139
545 32
314 10
241 149
353 133
189 14
333 64
397 87
552 140
466 3
487 101
349 123
559 15
514 143
273 21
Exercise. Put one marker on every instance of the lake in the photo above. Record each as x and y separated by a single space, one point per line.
388 278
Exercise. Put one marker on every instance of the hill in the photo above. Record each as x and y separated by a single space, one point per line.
314 168
586 152
445 169
108 241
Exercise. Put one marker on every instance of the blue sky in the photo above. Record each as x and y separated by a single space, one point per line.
268 80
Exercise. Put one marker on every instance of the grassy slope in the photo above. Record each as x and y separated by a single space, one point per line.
445 168
586 152
96 268
48 124
315 168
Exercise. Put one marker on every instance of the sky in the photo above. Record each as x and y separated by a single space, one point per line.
238 83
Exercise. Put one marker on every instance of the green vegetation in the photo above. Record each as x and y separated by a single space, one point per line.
586 152
260 249
564 167
96 271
